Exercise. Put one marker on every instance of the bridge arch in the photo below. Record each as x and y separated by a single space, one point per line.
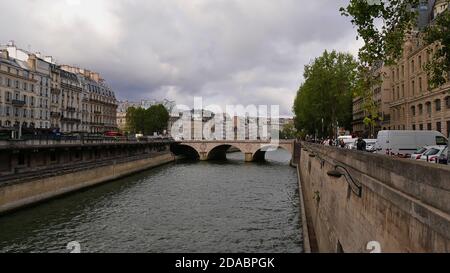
260 153
219 152
185 150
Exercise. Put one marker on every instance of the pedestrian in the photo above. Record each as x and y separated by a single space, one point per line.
361 144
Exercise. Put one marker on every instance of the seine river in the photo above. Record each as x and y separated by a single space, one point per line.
229 206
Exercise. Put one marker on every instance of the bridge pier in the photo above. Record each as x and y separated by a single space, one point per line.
248 157
203 156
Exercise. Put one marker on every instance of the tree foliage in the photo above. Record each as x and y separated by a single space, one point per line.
147 121
439 66
384 25
324 100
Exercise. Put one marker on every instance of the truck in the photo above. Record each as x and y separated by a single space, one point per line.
403 143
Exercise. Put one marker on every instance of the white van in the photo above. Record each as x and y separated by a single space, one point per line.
405 143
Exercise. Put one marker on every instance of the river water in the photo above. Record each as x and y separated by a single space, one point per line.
228 206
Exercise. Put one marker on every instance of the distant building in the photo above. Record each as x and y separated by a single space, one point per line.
202 124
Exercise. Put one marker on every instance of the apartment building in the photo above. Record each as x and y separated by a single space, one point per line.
38 96
18 96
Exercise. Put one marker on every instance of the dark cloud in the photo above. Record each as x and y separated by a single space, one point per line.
228 51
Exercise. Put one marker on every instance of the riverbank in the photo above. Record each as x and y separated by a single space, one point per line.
18 193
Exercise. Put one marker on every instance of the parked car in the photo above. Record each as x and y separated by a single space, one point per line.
433 154
405 143
370 145
443 158
419 152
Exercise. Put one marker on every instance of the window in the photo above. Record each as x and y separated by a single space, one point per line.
448 128
420 109
429 128
441 140
413 87
414 127
438 105
420 62
438 127
412 66
447 102
413 110
420 85
428 105
421 127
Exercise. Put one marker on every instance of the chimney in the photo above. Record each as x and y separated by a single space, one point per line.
49 59
95 76
4 54
32 62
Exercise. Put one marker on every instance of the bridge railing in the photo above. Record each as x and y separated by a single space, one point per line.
50 140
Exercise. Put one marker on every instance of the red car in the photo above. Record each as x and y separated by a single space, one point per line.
112 133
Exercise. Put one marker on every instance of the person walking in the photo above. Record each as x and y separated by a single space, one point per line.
361 144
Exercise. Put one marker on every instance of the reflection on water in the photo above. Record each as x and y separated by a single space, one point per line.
228 206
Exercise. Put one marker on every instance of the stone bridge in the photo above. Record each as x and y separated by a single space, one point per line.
254 150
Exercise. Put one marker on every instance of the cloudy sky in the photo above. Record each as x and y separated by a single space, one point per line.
226 51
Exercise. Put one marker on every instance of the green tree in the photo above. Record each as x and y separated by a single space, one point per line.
324 100
439 67
384 26
147 122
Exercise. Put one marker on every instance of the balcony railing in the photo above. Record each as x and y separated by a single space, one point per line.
18 102
71 120
71 109
55 114
55 90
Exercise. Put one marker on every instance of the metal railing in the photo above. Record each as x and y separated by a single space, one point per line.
49 140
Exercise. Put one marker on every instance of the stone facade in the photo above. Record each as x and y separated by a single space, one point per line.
402 205
16 195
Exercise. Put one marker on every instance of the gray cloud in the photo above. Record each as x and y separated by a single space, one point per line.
228 51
